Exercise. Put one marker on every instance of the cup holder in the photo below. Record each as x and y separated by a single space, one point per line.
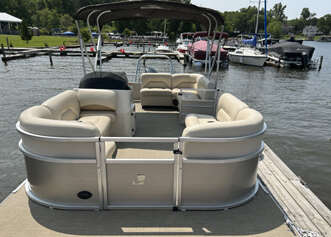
84 195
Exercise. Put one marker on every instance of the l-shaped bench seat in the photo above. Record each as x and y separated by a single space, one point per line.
233 118
72 113
164 89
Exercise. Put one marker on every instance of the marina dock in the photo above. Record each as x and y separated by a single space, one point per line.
23 53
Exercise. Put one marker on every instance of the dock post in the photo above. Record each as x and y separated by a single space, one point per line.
50 56
321 62
7 43
4 55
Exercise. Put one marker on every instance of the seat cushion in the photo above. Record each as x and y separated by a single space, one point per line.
156 80
64 106
155 92
102 122
176 91
97 99
184 80
228 107
197 119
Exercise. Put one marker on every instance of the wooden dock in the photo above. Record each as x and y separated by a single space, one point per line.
305 213
23 53
137 54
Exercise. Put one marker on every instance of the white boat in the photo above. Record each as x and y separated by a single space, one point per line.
184 41
183 47
163 141
163 49
248 56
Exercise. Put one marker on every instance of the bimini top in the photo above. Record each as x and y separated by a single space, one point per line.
149 9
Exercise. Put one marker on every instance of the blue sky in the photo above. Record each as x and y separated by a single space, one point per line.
293 9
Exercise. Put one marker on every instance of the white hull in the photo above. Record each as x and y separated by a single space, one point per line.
248 60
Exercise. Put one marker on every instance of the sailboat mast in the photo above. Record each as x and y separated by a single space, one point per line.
265 27
257 17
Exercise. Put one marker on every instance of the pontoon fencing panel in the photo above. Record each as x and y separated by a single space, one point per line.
141 183
134 182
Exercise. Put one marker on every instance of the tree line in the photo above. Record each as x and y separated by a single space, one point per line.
244 20
49 15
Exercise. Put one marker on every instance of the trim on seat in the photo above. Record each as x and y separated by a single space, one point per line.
225 160
55 139
52 159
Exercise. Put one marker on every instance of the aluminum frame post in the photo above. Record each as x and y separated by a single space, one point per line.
99 46
81 43
207 52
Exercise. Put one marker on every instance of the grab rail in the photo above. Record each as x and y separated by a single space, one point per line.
141 139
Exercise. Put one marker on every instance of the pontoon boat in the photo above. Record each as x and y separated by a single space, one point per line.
164 140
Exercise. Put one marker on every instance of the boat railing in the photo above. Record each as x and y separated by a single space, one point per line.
142 60
176 161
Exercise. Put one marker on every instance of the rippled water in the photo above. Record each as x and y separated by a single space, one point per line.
296 105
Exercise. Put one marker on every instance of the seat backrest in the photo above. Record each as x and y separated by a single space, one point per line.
184 80
39 120
228 107
156 80
64 106
247 122
97 99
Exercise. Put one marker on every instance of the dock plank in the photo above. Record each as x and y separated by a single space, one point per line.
299 202
304 190
291 208
307 208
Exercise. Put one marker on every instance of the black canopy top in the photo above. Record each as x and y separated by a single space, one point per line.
149 9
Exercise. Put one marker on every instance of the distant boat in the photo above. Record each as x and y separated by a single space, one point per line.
291 54
184 42
198 49
68 33
248 56
163 49
325 38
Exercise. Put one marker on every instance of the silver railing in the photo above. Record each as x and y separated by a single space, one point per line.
101 160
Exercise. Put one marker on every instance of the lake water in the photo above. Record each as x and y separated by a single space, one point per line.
296 106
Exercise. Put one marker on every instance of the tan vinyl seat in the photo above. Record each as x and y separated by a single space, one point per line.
197 119
73 113
156 89
228 107
233 119
162 89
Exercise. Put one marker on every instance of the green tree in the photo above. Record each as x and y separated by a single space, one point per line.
126 32
307 16
324 24
25 32
275 29
278 12
66 21
85 34
297 25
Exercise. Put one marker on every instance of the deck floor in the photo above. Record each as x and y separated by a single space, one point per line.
22 217
152 123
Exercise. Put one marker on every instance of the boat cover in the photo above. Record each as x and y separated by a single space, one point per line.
286 48
149 9
205 34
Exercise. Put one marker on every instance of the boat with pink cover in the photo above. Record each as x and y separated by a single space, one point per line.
198 49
